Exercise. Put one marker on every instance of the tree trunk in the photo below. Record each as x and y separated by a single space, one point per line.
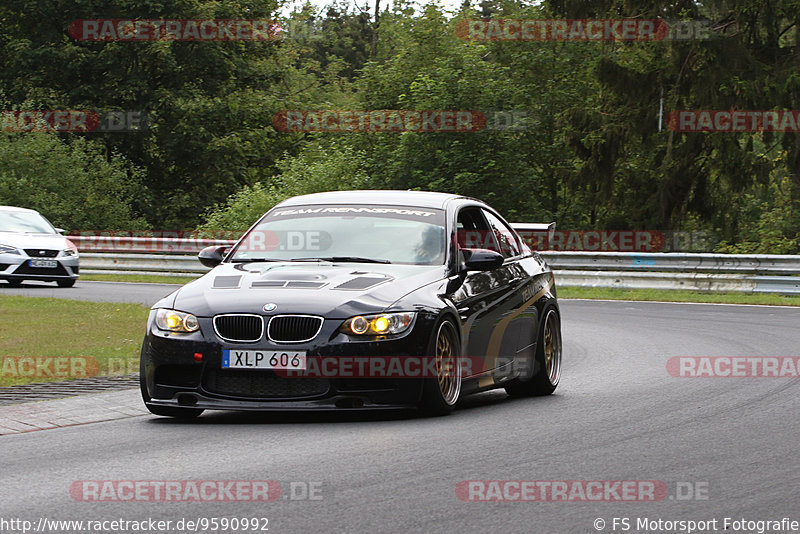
374 48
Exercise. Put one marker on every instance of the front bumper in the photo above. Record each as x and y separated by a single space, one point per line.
19 267
172 376
337 402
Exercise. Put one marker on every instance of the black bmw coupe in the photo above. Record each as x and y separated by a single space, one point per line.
357 300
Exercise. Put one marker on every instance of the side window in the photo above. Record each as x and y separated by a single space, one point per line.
509 247
472 230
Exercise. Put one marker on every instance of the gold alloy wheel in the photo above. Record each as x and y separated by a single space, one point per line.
448 374
552 347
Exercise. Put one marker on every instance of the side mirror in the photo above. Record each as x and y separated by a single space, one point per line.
60 230
213 255
479 259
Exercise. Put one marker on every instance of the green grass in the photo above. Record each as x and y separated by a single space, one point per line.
68 337
139 278
677 296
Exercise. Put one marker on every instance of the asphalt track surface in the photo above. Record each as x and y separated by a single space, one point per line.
93 291
617 415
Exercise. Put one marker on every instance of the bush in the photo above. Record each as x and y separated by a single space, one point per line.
73 184
770 223
329 167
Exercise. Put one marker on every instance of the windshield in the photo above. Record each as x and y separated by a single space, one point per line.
384 234
24 221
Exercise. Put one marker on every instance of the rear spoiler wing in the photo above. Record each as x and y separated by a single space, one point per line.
550 228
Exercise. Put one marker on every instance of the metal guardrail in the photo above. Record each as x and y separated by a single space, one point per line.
176 256
134 263
674 262
677 281
673 271
132 244
623 270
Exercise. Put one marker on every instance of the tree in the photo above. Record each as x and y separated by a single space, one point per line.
76 186
325 165
210 103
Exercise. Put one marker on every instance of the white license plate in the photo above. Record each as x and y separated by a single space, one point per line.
263 359
44 263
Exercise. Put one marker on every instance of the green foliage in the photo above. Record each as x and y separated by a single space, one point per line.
769 225
319 167
74 185
589 152
210 103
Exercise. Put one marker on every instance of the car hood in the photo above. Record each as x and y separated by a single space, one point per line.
333 290
41 241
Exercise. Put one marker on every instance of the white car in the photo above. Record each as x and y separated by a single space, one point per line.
32 249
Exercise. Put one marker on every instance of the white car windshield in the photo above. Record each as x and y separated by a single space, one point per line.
381 234
24 221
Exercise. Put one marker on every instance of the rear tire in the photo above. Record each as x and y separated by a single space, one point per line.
440 394
547 361
167 411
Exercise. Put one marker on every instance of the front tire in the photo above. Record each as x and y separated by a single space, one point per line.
167 411
65 283
546 363
440 394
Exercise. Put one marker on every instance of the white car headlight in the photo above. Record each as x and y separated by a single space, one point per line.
175 321
8 249
379 324
71 249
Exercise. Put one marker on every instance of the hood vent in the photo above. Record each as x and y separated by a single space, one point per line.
268 283
292 284
305 285
362 282
290 274
227 282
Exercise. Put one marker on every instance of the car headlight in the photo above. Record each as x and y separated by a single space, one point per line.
378 325
175 321
71 249
8 249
